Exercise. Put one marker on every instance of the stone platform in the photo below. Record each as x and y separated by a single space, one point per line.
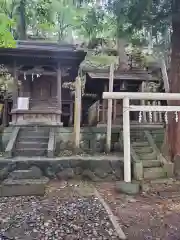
23 187
93 168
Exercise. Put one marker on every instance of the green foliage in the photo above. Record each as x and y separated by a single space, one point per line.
98 61
6 38
6 80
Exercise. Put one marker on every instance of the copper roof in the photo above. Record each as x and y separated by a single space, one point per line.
124 76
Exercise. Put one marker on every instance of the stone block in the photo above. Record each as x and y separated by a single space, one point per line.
5 170
177 165
62 145
154 173
127 188
138 170
89 175
104 165
99 172
110 178
75 162
85 145
117 147
50 173
63 164
28 187
169 169
97 146
117 168
66 174
32 173
78 170
3 173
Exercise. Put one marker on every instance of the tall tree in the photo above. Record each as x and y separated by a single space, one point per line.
174 127
153 14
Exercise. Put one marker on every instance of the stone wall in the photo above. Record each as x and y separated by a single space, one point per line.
158 136
4 137
93 139
69 168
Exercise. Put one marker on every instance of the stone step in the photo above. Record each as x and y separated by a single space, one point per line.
34 128
154 173
28 138
33 134
147 156
137 139
140 144
23 187
151 163
31 144
32 173
28 152
144 150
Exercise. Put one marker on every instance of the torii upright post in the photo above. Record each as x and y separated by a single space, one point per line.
126 137
109 112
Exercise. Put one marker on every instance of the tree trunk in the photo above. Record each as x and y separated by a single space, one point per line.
22 20
123 59
173 126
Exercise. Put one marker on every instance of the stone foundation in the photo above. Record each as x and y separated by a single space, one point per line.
97 169
92 140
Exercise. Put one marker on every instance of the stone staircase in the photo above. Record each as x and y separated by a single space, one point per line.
32 141
152 166
29 182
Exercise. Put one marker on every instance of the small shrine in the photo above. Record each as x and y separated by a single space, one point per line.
39 70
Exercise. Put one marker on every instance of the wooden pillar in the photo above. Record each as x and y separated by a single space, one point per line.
15 86
165 75
143 102
104 101
59 80
5 112
114 111
77 113
126 137
59 91
109 112
155 114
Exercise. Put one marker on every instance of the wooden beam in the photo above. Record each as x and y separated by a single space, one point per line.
151 108
77 113
139 96
44 73
109 112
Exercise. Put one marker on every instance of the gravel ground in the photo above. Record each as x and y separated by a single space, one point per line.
56 216
154 216
70 211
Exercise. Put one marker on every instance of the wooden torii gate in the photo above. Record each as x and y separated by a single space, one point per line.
126 96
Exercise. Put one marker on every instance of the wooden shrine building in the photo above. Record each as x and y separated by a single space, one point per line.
39 70
97 82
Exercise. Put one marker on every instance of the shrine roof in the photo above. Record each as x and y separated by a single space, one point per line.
135 75
43 49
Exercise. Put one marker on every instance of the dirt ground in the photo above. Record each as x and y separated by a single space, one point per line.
154 216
